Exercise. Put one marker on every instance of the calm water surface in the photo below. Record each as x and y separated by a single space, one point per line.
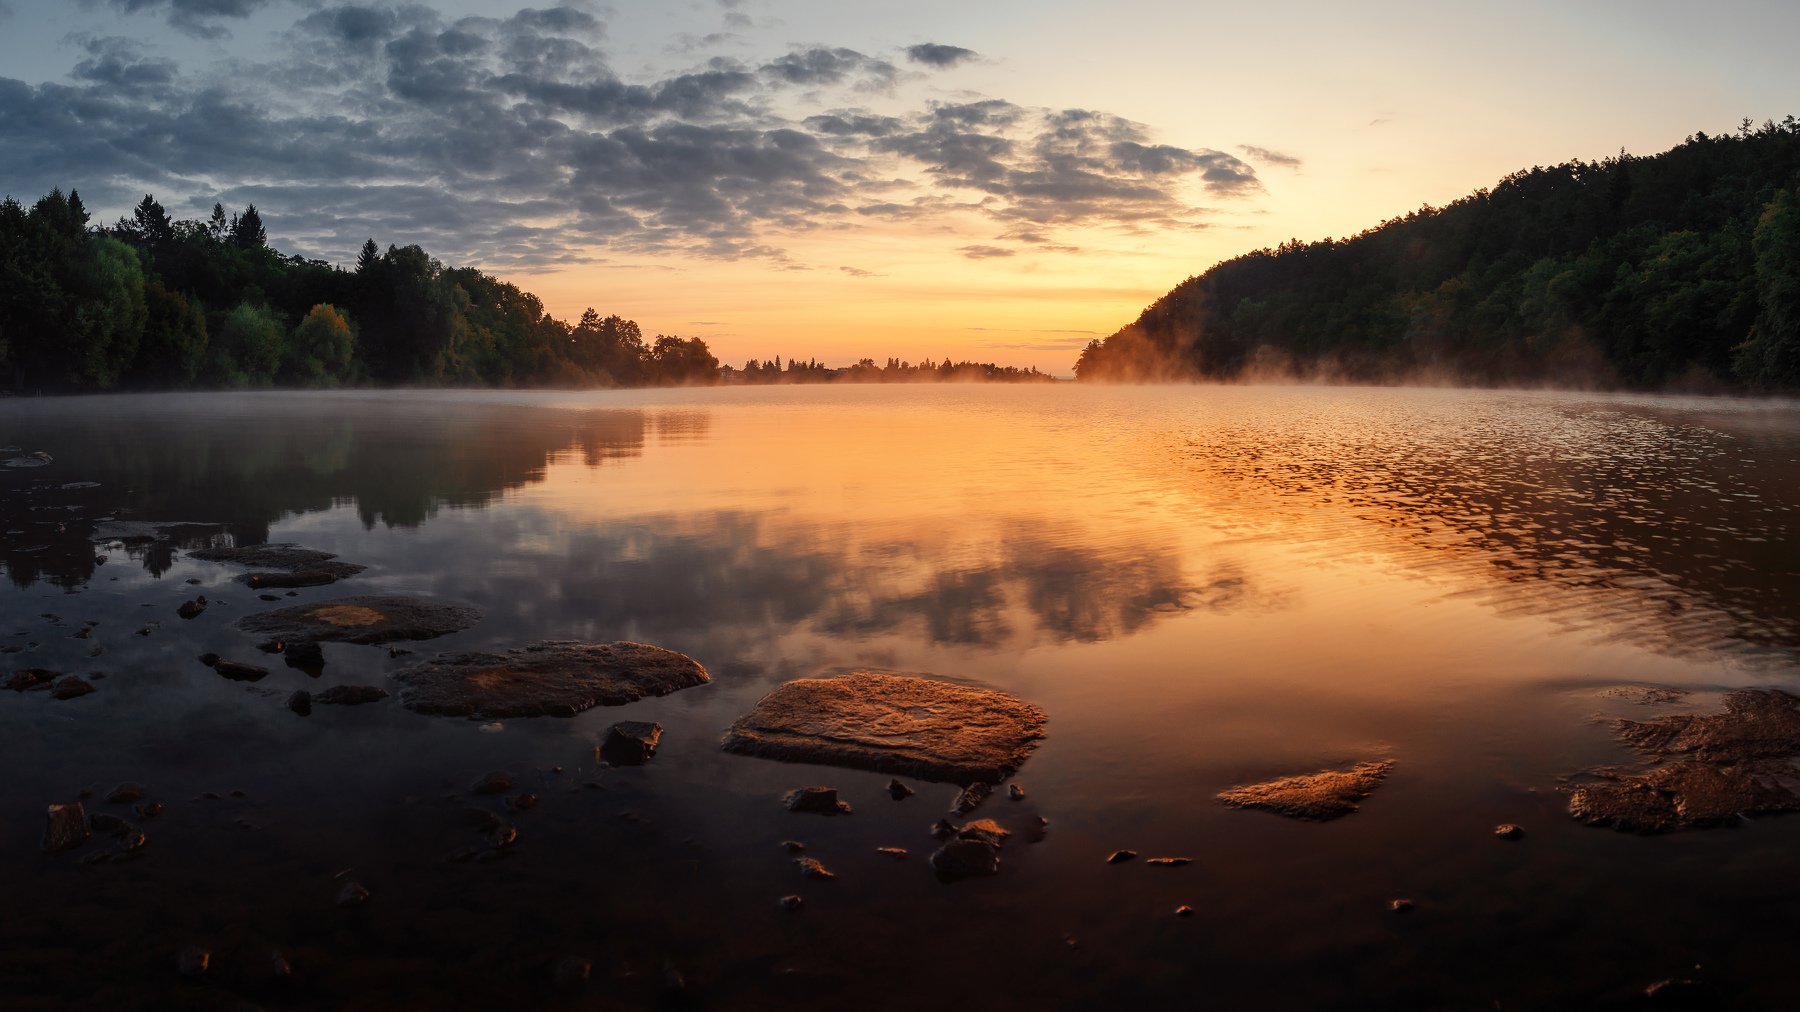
1201 587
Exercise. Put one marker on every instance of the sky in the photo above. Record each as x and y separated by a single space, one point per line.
985 179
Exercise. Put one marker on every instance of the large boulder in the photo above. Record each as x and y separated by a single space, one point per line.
901 724
362 620
558 678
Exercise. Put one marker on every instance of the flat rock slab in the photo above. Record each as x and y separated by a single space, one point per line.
558 678
901 724
1680 796
362 620
1756 724
1317 796
289 565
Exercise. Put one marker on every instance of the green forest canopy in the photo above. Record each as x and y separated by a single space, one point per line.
1681 268
155 303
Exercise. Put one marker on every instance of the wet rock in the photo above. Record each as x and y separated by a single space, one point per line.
193 961
1401 906
630 742
191 609
1716 768
811 868
290 565
362 620
942 829
70 687
300 702
1508 831
106 822
1015 792
823 800
238 672
1120 856
305 655
1168 862
268 597
148 810
32 678
571 971
126 793
65 827
492 783
966 858
350 695
969 799
1316 796
210 660
899 791
558 678
986 830
352 895
1184 911
277 968
1647 695
792 902
1679 796
897 853
1678 992
899 724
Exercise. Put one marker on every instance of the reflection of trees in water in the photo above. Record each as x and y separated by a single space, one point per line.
245 463
1671 527
671 578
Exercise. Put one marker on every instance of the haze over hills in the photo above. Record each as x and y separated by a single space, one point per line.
1675 270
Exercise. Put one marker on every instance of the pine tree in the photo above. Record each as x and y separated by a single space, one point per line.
368 258
247 230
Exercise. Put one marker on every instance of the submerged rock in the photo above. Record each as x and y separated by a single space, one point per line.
969 799
966 858
362 620
899 791
192 609
305 655
1715 768
70 687
823 800
903 724
1317 796
1508 831
291 565
492 783
1120 856
630 742
352 895
559 678
32 678
350 695
300 702
240 672
811 868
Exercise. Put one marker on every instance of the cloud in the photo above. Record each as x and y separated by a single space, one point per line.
858 272
943 57
511 141
1271 157
6 10
195 17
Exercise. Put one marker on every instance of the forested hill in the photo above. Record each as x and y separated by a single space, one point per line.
1679 269
153 303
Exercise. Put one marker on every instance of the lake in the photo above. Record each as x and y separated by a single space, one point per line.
1202 587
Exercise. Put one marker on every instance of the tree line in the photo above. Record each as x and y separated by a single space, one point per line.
865 370
155 303
1678 269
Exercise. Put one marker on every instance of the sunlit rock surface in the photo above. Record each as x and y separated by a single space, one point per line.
558 678
362 620
919 727
1317 796
283 565
1716 768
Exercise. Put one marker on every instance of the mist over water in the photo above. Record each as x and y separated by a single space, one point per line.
1201 586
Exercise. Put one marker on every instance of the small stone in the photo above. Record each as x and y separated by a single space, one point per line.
630 742
1015 792
572 971
268 597
823 800
793 846
522 803
811 868
70 687
899 791
1120 856
964 857
986 830
495 727
493 783
1401 906
305 655
1681 992
350 695
1184 911
126 793
897 853
1508 831
210 660
970 799
32 678
191 609
149 809
278 967
352 895
66 826
792 902
1169 862
106 822
193 961
241 672
942 829
300 702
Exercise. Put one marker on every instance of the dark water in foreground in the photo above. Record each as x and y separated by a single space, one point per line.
1201 587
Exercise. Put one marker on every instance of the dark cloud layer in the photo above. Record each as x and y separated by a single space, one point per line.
511 141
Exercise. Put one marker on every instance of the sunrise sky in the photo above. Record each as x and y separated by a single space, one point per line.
990 180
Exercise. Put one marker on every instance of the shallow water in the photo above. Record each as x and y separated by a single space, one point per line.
1202 587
